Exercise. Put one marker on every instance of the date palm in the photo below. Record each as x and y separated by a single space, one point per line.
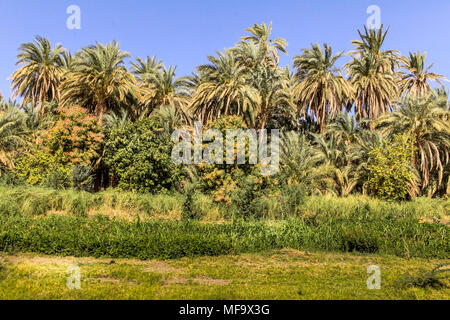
372 73
223 89
39 76
163 88
415 81
321 87
259 35
99 80
371 41
145 70
275 94
375 88
426 120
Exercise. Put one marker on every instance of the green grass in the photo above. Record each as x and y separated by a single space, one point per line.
276 274
36 201
103 236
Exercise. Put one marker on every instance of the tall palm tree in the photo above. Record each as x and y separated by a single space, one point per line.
163 88
372 73
99 80
145 70
223 89
426 120
321 86
371 41
39 76
275 93
375 88
259 35
415 81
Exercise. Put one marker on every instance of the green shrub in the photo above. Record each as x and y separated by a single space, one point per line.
82 177
390 172
139 157
39 167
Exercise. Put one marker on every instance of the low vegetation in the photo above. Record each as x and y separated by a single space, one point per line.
275 274
79 223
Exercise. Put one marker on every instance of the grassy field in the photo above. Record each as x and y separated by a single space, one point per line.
276 274
131 246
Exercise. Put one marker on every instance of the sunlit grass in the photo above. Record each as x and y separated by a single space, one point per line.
280 274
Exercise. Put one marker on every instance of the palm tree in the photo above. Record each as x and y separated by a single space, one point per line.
39 76
414 82
170 119
372 42
162 88
375 88
223 88
259 35
321 87
297 158
426 121
275 93
145 70
11 136
99 80
372 73
112 119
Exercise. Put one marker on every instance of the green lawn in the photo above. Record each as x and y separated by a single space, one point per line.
279 274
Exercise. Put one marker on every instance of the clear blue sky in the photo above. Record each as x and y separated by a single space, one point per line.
183 33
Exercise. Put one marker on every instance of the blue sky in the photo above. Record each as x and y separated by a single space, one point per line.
183 33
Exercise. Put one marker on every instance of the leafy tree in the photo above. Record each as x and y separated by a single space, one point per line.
40 167
77 134
139 157
12 136
426 119
390 172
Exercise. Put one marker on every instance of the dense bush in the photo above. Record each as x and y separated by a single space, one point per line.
77 134
390 171
40 167
139 157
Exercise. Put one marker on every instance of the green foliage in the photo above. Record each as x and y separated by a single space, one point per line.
101 236
39 167
139 157
188 205
82 178
390 171
356 224
427 278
